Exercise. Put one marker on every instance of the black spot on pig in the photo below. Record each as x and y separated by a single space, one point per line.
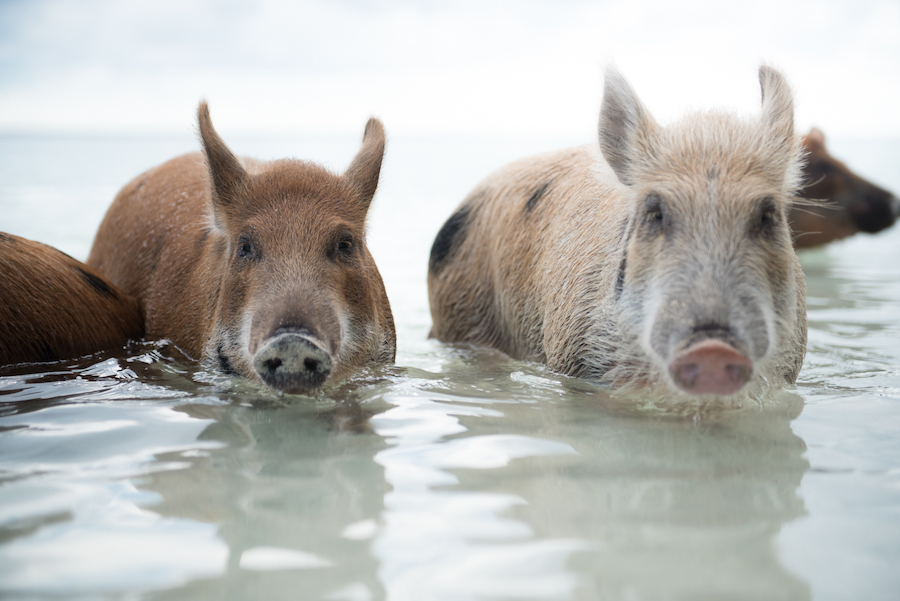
451 236
536 197
96 283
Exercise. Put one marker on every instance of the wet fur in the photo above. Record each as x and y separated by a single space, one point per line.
573 281
54 307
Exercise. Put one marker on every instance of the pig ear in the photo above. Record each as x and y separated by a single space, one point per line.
226 174
777 104
363 172
624 126
815 137
778 125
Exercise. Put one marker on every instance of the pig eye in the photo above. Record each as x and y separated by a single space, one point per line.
768 217
245 248
768 212
345 247
654 216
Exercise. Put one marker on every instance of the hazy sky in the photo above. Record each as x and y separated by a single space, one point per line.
471 67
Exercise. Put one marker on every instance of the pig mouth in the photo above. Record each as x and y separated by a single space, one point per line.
293 361
711 366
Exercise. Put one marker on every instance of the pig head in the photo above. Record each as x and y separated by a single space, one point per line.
842 202
709 288
299 298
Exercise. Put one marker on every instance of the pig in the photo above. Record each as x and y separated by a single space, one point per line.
256 269
660 262
851 204
53 307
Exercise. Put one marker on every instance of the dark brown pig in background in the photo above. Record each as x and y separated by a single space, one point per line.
54 307
851 204
258 268
665 263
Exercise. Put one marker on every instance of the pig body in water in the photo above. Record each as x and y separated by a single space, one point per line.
663 262
53 307
258 268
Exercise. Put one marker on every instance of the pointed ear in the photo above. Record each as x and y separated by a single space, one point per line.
363 172
777 120
226 175
815 137
777 104
624 125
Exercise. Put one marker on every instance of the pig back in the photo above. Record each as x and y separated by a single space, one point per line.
152 244
54 307
530 257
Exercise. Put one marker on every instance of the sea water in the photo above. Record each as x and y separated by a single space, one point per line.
458 473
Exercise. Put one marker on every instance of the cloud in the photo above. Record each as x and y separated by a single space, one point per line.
530 67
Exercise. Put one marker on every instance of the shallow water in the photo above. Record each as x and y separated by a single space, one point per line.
458 473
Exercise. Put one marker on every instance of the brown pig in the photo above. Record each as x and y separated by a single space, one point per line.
259 269
664 260
851 204
53 307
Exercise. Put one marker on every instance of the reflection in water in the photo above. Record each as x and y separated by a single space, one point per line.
581 501
679 510
295 498
481 478
106 486
438 542
71 520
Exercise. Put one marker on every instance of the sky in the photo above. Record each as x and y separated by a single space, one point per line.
479 67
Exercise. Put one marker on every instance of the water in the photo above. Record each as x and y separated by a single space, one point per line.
458 473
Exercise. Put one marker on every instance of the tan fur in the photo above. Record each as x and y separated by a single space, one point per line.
543 282
842 203
53 307
174 238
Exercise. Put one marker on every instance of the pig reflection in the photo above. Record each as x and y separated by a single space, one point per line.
672 509
667 262
285 478
851 204
260 269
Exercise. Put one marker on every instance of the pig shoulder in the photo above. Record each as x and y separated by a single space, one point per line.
152 242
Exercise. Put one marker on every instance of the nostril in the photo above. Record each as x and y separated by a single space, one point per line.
738 374
272 364
688 374
311 364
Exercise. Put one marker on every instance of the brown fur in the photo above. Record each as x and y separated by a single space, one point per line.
559 259
225 253
53 307
849 204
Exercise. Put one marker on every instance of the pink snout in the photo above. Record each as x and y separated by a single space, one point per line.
711 367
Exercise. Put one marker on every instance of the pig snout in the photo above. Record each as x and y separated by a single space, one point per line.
293 361
872 214
711 367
